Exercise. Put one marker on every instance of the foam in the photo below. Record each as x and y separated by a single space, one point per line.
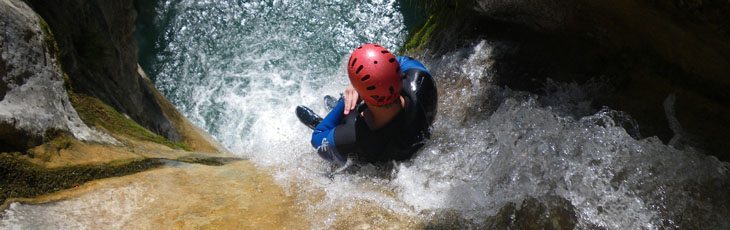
491 146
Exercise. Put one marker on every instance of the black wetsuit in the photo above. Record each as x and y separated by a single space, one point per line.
355 139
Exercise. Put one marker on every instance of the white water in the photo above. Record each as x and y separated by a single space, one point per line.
239 69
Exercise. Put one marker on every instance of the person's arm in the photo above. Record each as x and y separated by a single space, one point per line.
323 136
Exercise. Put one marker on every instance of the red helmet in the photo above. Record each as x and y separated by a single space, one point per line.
375 74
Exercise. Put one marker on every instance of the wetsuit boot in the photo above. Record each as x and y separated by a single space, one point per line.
330 102
308 117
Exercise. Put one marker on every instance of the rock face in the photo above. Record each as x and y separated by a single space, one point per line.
99 52
540 15
33 100
646 50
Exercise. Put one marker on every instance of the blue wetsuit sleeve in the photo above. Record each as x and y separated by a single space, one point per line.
407 63
323 136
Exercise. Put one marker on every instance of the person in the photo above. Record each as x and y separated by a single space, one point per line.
385 113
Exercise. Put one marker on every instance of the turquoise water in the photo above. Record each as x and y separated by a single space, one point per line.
221 61
238 69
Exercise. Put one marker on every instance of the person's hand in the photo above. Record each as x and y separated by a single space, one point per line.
351 97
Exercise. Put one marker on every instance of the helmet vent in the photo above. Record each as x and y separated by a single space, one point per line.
353 62
384 51
391 60
365 78
358 69
375 62
372 87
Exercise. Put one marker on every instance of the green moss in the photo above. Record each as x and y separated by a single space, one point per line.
440 13
67 83
421 36
58 140
49 41
206 160
94 112
20 178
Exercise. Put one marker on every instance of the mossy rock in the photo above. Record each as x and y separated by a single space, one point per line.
450 25
95 113
206 160
417 40
20 178
438 14
49 41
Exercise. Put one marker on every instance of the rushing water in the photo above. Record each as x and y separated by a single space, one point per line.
238 69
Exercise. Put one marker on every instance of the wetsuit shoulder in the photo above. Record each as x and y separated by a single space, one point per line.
407 63
419 90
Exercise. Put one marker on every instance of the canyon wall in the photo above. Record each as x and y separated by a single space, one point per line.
82 50
33 101
99 52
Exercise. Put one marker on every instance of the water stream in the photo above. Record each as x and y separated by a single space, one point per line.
238 69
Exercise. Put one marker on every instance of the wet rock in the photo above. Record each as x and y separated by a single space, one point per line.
99 52
24 179
233 196
545 213
449 219
557 213
33 100
540 15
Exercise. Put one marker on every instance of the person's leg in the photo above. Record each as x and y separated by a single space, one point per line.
323 135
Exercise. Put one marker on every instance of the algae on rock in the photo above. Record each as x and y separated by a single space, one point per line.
21 178
94 112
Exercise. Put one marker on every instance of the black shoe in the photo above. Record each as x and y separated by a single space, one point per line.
330 102
308 117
